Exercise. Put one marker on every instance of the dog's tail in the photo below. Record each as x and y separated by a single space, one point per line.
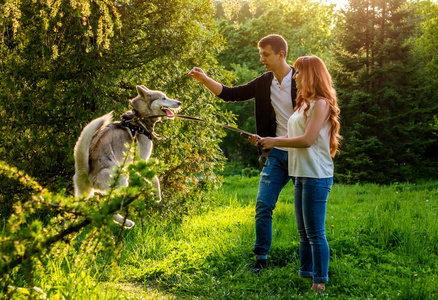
81 181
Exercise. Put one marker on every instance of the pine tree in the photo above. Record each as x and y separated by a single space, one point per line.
382 116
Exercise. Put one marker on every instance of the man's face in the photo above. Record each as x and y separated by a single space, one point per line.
269 58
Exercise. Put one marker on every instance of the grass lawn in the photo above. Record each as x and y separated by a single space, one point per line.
383 241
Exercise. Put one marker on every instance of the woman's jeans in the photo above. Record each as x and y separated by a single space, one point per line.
273 178
310 206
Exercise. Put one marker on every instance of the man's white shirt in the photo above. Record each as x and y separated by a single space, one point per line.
282 103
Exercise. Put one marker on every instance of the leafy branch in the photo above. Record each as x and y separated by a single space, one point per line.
27 236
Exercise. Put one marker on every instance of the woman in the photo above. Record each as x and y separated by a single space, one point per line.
313 135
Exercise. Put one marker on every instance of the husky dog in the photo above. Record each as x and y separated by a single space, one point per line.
101 145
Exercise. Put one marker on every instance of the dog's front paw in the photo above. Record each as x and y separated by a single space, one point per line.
119 219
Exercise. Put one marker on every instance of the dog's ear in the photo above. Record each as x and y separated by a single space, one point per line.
145 88
143 91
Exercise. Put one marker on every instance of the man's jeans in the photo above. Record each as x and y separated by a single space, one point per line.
273 178
310 207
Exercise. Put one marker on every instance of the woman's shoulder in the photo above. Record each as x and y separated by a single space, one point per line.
320 103
311 104
319 100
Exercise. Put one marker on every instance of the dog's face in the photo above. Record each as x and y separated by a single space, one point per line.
153 103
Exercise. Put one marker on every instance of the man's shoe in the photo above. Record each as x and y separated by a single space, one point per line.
259 265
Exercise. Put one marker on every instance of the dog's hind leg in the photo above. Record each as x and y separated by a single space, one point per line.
156 184
101 180
119 219
104 179
102 183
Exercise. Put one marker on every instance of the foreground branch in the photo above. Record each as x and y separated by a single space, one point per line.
53 239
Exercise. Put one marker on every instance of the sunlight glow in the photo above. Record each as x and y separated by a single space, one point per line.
339 3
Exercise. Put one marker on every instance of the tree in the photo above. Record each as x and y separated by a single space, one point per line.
64 63
306 26
383 116
425 50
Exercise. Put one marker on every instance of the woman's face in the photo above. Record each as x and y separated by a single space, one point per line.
297 77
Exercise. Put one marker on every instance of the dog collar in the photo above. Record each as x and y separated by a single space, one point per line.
136 129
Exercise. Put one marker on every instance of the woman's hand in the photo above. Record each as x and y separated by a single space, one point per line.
254 140
267 143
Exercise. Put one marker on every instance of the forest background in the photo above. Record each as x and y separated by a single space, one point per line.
63 63
67 62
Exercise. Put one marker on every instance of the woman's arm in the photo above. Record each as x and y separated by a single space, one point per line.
255 139
319 114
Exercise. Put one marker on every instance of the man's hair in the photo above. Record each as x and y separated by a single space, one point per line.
276 41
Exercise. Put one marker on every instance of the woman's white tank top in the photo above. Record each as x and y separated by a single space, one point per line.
314 162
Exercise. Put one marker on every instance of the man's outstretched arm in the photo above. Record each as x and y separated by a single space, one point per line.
214 86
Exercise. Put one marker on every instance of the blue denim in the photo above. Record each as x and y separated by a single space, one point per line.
310 207
273 178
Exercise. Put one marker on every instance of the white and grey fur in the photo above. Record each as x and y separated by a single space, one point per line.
101 145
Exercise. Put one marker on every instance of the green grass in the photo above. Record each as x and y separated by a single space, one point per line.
383 241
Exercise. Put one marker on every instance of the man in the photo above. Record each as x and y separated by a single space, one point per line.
274 93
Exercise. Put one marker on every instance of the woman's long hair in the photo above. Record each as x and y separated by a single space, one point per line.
316 83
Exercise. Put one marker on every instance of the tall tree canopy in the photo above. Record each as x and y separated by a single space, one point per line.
64 63
385 110
306 26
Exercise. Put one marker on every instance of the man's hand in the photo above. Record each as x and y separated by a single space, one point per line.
198 74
